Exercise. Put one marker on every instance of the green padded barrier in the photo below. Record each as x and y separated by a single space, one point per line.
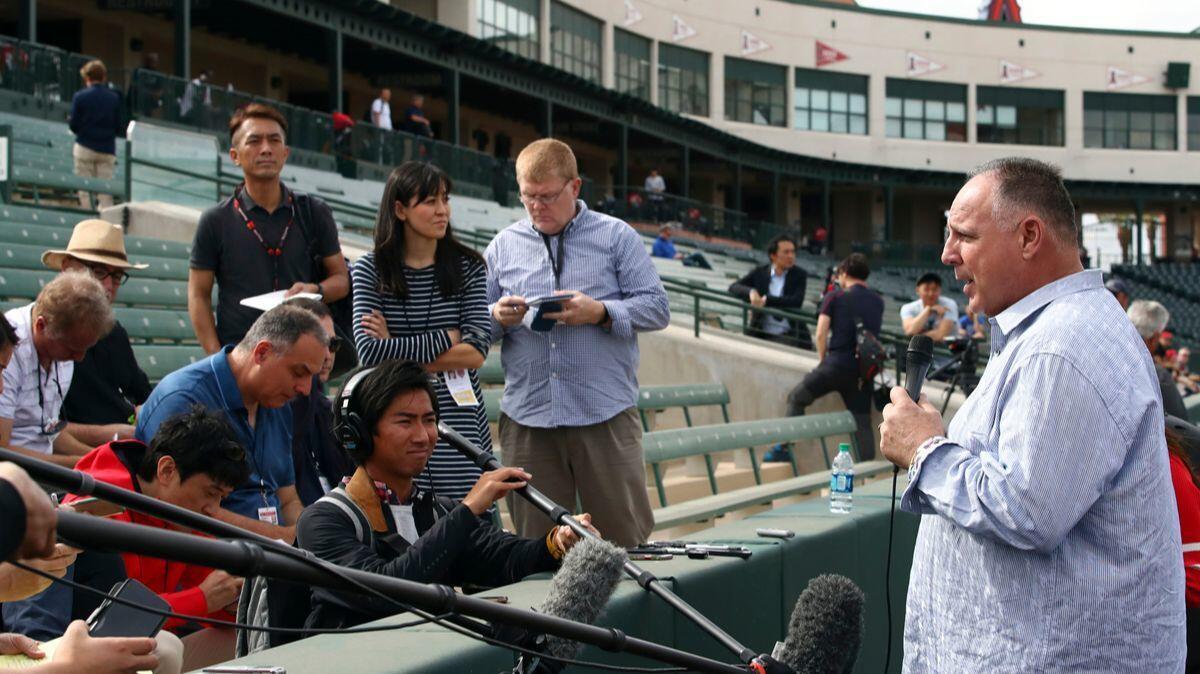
491 402
159 361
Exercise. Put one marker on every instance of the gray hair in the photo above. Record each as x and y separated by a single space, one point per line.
74 299
283 326
1026 185
1148 317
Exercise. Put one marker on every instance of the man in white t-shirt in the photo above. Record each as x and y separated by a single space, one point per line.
70 315
381 110
930 314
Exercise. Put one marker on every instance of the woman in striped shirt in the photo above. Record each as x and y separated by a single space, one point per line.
421 296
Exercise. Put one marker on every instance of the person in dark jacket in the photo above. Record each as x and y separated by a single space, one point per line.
96 122
379 521
778 285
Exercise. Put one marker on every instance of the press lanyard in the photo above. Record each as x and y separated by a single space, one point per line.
272 252
555 265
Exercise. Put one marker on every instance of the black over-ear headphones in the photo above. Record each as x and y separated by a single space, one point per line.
350 429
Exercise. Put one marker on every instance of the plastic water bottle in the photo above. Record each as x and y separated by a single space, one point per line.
841 481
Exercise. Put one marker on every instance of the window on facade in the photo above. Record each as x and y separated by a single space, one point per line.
1128 121
683 80
1019 116
510 25
574 42
1193 122
832 102
632 65
754 92
926 110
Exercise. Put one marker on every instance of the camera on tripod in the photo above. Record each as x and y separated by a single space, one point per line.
964 345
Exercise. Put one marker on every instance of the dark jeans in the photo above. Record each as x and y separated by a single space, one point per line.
827 378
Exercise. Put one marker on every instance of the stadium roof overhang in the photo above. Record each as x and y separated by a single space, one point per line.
388 27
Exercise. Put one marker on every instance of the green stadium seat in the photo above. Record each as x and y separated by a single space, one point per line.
158 361
153 325
684 396
22 256
681 443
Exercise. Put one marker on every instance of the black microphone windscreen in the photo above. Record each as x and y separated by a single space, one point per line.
826 628
581 588
920 347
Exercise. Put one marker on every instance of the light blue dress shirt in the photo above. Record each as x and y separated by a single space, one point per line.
773 325
583 374
1050 538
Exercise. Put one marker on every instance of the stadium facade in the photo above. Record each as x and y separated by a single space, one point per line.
798 113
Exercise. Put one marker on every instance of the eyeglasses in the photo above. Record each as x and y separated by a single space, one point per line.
529 199
335 343
100 274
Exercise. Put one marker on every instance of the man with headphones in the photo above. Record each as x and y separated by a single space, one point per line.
379 521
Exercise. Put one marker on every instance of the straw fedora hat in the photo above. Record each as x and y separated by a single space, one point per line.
93 241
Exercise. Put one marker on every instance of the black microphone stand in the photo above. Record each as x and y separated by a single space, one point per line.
560 515
244 558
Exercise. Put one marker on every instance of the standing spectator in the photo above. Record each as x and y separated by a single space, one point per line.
263 238
842 312
195 106
930 314
502 146
655 187
481 139
816 243
779 285
319 460
71 313
415 121
146 87
663 247
569 405
422 296
252 383
96 122
107 386
1150 319
381 110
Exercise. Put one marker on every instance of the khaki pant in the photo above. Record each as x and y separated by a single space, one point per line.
92 164
603 464
209 646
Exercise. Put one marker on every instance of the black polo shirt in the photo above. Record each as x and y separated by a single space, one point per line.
845 309
242 266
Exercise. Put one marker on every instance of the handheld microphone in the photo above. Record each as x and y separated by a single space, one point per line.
825 632
920 357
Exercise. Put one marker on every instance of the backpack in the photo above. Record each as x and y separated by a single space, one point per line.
870 352
343 309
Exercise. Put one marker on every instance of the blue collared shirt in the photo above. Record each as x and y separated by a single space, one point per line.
1050 538
96 118
584 374
209 382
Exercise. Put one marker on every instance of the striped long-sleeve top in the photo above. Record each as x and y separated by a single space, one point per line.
418 326
1050 540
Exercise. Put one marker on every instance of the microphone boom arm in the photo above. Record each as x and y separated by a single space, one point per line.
559 515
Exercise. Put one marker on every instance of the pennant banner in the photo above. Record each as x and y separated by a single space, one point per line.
1011 72
680 30
919 65
826 54
632 15
751 43
1119 79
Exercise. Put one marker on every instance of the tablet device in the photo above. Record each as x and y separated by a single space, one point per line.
113 619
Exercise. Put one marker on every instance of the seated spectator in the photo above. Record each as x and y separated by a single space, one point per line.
930 314
107 386
379 521
320 462
1120 290
1149 319
779 285
1187 498
663 246
71 314
973 325
252 383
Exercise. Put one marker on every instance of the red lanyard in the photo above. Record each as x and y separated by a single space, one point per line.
272 252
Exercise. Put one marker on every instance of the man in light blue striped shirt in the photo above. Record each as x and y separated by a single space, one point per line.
1050 538
570 391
